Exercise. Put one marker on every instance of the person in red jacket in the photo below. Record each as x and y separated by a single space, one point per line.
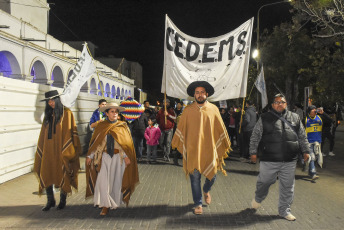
152 136
166 128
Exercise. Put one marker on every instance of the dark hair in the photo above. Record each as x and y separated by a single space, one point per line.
50 113
121 117
101 101
153 120
145 102
249 102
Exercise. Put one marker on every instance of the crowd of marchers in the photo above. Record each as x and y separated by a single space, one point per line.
201 134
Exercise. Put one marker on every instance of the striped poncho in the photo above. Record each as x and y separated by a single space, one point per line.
57 159
202 138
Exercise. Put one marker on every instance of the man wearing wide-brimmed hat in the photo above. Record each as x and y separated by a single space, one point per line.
58 149
202 138
111 167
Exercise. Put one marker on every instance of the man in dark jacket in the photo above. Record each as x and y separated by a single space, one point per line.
327 128
249 121
138 128
281 137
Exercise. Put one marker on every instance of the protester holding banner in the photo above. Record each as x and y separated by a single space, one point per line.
111 167
58 149
202 138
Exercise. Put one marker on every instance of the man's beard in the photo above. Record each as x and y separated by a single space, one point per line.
200 102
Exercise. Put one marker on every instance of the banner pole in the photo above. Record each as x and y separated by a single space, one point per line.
242 113
101 86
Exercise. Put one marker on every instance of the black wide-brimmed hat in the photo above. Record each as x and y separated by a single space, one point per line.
208 88
50 95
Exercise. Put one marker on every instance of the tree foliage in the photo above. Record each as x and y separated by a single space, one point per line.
293 59
285 53
327 16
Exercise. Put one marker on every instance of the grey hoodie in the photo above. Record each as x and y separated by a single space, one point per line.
250 119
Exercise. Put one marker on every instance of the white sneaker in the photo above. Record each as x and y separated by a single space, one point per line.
324 155
315 177
255 204
290 217
331 154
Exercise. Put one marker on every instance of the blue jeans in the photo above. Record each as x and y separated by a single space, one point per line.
195 179
151 148
312 171
138 144
165 141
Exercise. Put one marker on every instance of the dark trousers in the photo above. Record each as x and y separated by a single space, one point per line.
240 141
330 137
232 134
246 145
138 145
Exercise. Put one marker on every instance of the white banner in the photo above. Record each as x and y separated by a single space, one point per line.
260 84
223 61
81 73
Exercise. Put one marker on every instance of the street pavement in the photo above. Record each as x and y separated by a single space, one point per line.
163 200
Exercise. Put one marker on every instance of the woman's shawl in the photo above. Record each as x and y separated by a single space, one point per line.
57 159
121 133
202 138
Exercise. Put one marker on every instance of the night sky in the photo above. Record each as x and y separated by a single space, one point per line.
134 29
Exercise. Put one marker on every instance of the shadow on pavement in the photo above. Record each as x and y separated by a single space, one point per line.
89 211
243 218
178 216
245 172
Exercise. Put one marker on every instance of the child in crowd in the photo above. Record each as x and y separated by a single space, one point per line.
152 135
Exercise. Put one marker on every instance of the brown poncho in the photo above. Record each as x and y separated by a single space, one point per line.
57 159
202 138
121 133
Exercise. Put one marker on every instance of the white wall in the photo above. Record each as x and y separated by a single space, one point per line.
21 115
36 16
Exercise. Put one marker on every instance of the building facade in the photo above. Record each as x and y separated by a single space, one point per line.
33 62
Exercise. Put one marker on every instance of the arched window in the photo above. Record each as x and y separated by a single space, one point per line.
100 88
113 92
107 90
93 89
57 77
39 73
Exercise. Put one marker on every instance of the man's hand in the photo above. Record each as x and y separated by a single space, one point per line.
305 157
253 158
88 161
166 113
127 161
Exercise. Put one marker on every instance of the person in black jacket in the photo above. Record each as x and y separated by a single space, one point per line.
327 127
249 121
281 137
138 128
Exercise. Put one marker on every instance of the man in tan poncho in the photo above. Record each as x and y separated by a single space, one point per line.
202 139
58 149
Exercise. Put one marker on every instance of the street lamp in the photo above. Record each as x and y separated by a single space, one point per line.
270 4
